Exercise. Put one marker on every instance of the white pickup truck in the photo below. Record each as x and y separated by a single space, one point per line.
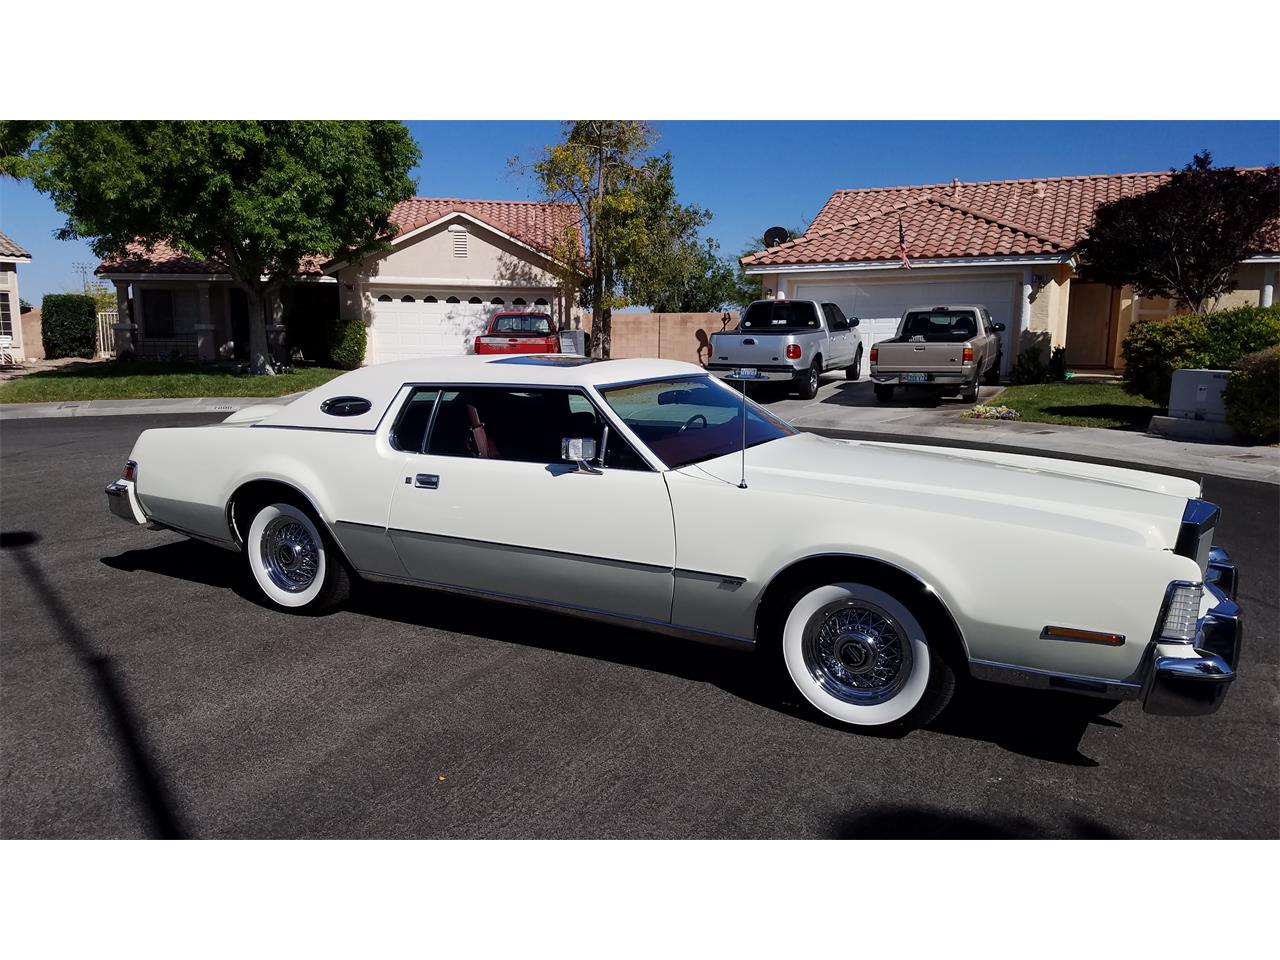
792 341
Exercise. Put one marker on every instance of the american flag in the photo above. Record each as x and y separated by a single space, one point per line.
902 245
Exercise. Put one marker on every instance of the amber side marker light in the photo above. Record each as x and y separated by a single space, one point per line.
1084 636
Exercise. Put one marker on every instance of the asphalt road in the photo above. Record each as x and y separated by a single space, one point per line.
145 692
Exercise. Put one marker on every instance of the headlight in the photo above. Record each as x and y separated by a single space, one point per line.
1181 611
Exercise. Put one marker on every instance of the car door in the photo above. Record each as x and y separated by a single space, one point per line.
486 504
840 337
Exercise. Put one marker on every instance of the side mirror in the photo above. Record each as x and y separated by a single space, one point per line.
998 327
853 321
579 450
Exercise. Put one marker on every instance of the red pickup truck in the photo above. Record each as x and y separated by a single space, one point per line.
519 333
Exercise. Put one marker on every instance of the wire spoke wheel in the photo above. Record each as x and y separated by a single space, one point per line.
857 652
289 554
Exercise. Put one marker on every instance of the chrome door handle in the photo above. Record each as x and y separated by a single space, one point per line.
427 481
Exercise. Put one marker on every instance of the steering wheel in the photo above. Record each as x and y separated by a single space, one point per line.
690 422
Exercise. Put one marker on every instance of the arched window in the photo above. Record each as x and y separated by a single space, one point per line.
385 298
518 302
430 300
496 301
452 300
475 300
540 302
406 299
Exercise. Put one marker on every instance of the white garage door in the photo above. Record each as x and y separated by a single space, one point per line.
421 323
879 305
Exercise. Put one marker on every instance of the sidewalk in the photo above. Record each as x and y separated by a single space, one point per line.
107 408
944 423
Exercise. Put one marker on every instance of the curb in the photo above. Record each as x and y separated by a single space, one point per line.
112 408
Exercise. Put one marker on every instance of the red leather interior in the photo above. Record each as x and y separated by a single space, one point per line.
484 447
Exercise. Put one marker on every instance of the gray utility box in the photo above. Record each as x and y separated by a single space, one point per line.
573 341
1197 395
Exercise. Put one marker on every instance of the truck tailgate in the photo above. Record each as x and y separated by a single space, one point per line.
919 357
748 349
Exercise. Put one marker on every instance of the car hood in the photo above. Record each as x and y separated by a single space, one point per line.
1079 499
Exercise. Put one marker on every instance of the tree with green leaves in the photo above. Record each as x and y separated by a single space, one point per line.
595 167
1184 239
257 197
16 140
671 268
642 245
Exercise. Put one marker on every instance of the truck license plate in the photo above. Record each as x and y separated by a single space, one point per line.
915 378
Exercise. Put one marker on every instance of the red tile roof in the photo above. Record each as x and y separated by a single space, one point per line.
538 224
983 219
8 248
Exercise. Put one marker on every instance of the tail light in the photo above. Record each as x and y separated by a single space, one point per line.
130 471
479 340
875 353
968 355
793 351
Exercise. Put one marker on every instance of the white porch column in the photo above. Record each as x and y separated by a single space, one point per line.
781 292
206 350
123 327
1267 297
1024 312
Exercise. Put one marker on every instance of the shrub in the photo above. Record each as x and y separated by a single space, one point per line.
1153 349
68 325
1235 334
1029 367
1252 396
1057 371
347 339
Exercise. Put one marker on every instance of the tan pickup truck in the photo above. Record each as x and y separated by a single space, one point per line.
951 349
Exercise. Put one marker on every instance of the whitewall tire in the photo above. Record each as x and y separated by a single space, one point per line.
860 656
291 561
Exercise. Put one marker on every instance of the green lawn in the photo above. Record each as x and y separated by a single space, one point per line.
1079 405
145 379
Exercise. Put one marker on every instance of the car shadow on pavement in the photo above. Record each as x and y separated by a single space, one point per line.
155 800
924 823
1044 726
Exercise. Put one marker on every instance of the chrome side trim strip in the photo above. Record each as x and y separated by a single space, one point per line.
540 551
294 426
1048 680
586 613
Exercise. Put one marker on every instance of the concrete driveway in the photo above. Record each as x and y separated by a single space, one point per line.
841 402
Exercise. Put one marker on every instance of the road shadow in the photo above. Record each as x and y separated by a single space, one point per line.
1045 726
924 823
154 798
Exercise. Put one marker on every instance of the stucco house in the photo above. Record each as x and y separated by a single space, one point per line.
1005 243
450 265
11 340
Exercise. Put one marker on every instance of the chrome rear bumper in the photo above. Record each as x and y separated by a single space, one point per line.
123 502
1197 685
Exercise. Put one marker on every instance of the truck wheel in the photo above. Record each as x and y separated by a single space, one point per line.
884 392
860 656
295 565
854 371
969 392
808 386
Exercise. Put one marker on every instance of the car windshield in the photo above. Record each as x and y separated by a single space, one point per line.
529 324
779 316
691 419
940 326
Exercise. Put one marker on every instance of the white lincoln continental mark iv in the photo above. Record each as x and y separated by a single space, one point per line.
649 493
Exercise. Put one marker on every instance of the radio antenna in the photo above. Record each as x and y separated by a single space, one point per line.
742 376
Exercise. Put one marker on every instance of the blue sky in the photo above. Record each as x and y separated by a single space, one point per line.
751 175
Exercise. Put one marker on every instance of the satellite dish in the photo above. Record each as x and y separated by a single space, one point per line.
776 235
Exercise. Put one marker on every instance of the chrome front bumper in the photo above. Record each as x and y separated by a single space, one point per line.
122 500
1197 685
